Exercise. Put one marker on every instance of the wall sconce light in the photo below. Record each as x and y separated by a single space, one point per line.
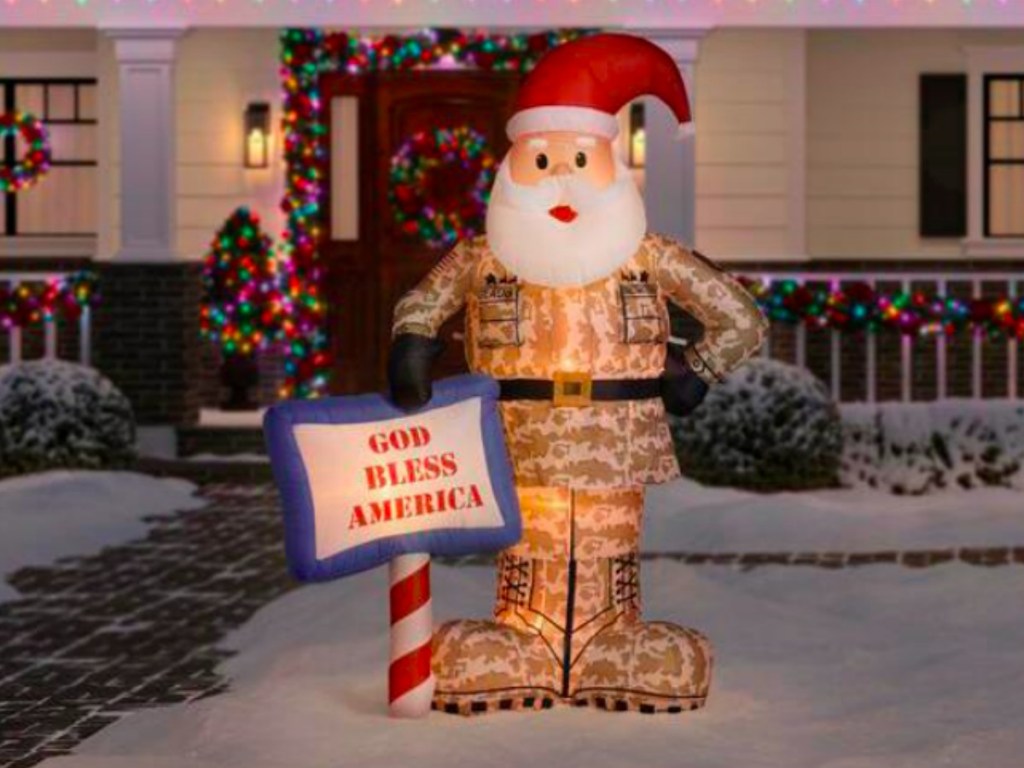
257 135
637 136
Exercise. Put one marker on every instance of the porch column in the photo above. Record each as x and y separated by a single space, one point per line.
670 178
148 319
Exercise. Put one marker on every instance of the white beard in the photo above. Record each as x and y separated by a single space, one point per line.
537 248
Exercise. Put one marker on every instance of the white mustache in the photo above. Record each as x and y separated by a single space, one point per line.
568 189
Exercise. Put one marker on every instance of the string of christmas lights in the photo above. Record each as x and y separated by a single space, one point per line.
241 304
439 185
28 303
305 55
25 172
858 307
864 4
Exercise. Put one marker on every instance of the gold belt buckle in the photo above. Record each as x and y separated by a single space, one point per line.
572 389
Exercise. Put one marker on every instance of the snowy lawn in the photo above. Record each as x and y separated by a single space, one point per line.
857 668
685 516
49 515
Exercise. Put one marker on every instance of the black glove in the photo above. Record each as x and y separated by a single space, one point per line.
409 363
682 390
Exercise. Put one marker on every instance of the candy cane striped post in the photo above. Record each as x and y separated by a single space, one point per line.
410 681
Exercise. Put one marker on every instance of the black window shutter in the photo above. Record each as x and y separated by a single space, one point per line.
943 179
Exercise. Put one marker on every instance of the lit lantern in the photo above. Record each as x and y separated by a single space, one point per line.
257 135
637 136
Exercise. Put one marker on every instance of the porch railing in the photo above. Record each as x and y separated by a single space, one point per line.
16 351
969 285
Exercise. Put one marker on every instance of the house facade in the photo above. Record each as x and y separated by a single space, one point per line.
836 142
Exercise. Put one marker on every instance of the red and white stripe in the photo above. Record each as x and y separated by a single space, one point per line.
410 681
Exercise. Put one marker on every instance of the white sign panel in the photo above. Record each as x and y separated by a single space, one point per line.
415 473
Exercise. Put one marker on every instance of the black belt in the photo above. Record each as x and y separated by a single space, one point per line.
600 389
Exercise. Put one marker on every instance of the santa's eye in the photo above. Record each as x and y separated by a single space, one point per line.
542 161
581 159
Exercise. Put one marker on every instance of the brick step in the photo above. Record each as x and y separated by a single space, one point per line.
220 441
236 472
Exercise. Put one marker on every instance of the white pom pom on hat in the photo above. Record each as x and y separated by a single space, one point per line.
581 85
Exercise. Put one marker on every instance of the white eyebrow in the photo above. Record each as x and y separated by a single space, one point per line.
537 143
586 141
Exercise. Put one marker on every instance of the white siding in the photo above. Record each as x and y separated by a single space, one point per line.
862 133
749 120
218 73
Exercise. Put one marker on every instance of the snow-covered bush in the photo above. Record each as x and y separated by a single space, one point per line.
57 414
768 426
914 448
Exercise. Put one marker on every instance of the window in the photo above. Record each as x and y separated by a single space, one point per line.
64 202
1004 156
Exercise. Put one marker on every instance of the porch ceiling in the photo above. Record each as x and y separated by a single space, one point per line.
397 14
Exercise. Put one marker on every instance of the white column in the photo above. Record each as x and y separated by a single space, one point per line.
146 101
670 174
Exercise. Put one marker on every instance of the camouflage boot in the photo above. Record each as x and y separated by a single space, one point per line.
568 626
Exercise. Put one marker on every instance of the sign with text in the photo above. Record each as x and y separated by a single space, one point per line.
362 481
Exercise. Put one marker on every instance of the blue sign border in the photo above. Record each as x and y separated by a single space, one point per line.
297 500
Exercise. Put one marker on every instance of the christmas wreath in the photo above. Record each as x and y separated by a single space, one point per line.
29 169
439 184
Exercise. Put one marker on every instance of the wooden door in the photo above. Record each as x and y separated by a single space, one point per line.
372 263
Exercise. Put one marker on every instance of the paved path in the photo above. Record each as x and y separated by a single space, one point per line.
139 624
136 625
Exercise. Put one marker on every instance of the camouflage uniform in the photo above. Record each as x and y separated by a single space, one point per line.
567 617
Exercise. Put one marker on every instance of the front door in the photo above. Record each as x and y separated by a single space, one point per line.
370 259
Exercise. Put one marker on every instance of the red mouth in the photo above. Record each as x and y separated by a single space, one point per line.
564 213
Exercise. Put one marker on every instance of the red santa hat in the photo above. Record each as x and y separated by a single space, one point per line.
579 86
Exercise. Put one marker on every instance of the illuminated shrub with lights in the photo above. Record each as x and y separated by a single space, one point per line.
55 414
769 426
241 302
241 298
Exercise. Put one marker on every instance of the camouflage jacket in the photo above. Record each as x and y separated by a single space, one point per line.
613 328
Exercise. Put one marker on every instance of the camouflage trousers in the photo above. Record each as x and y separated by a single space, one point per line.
567 623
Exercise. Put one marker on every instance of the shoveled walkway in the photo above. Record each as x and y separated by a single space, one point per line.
139 624
136 625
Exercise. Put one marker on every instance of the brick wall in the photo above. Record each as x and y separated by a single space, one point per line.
147 338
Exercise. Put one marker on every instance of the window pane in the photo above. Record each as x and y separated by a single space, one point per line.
345 168
63 202
1006 200
73 142
1004 98
87 109
29 98
61 104
1006 140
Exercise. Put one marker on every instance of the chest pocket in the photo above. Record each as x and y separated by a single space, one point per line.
499 308
643 319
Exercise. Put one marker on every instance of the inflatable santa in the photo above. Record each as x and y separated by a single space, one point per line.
565 301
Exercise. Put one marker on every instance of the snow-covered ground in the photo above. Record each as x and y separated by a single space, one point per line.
53 514
879 666
685 516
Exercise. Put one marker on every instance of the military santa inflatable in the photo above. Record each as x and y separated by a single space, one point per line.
565 300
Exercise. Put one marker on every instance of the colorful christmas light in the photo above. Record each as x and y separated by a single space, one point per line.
36 161
858 307
28 303
241 304
305 55
439 185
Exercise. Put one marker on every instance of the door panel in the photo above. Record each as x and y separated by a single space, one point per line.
368 276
